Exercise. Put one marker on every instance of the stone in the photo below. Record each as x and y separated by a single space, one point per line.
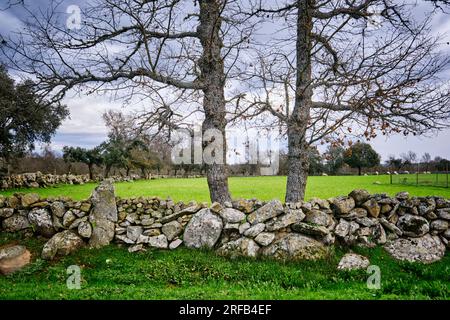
151 232
216 207
58 209
367 222
136 248
356 213
243 205
175 244
13 258
265 238
391 227
379 234
172 230
444 213
124 239
68 218
6 212
243 227
447 234
254 230
203 230
309 229
295 246
404 195
372 207
29 198
230 215
343 205
242 247
270 210
282 221
360 196
342 229
61 244
188 211
15 223
159 242
318 218
426 249
103 214
439 225
85 229
41 220
353 261
12 202
133 232
231 226
413 226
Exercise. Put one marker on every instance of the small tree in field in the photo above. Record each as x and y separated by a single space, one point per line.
361 155
90 157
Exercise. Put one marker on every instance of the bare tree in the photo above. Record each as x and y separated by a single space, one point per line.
351 68
141 48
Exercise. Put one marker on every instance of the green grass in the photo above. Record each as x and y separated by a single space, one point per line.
264 188
187 274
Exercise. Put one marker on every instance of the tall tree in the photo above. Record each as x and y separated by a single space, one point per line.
339 74
25 118
361 155
189 48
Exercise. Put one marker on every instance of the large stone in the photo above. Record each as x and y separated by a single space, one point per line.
29 198
68 218
372 207
425 249
61 244
6 212
295 246
309 229
254 230
439 225
172 230
343 205
103 214
282 221
159 242
58 209
242 247
231 215
265 238
203 230
444 213
356 213
133 232
85 229
15 223
353 261
270 210
342 229
42 222
318 218
413 226
360 196
13 258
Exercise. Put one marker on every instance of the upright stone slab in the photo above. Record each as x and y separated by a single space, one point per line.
103 214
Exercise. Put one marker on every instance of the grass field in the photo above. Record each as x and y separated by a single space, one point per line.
264 188
187 274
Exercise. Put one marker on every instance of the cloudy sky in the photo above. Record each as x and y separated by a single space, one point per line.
86 128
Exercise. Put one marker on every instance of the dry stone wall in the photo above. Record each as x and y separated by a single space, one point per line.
409 228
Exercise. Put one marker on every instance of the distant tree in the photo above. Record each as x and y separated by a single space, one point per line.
90 157
442 164
315 160
426 159
361 155
24 118
410 157
334 157
395 163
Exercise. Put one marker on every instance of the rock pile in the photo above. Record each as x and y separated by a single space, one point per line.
40 180
410 228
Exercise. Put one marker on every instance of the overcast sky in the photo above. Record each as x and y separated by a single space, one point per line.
86 128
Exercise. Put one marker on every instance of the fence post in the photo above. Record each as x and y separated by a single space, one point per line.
417 175
446 170
390 177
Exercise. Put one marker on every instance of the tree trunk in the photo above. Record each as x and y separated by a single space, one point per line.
107 171
359 171
91 173
298 150
128 171
213 75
